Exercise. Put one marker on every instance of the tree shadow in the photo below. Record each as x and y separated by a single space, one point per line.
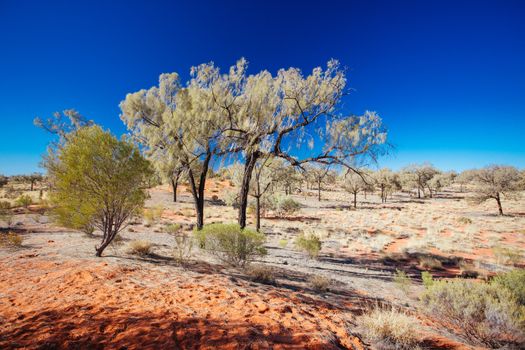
81 326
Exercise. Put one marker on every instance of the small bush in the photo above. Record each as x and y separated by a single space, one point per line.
402 281
152 215
283 243
287 206
428 281
5 205
464 221
230 244
514 282
508 255
310 244
261 274
320 283
11 240
483 313
430 263
172 228
24 201
389 329
140 247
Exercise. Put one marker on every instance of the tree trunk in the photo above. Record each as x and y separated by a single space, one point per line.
174 184
108 238
251 159
258 213
319 189
418 192
198 191
500 208
355 200
32 185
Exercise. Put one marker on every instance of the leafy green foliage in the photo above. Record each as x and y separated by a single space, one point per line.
97 180
310 244
514 282
230 244
24 201
428 281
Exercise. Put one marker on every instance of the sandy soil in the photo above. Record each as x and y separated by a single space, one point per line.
54 294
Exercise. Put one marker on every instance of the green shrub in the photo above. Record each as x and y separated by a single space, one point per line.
172 228
283 243
513 281
287 206
428 281
261 274
483 313
152 215
11 240
402 281
310 244
320 283
389 329
24 201
230 244
140 247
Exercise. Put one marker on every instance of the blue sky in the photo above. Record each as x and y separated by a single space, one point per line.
448 77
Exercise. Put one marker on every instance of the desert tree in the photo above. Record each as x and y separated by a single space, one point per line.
496 182
319 174
97 180
283 114
418 175
464 178
387 182
440 180
169 168
3 180
31 179
181 121
355 183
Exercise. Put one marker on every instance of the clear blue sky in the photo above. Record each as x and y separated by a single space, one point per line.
448 77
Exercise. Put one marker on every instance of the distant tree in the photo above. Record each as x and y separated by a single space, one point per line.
418 175
354 183
387 182
439 181
496 182
3 180
97 180
320 175
464 178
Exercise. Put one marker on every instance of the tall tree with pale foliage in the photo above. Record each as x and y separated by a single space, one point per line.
281 114
496 182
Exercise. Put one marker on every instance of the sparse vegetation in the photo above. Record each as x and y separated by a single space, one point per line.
483 313
402 281
430 263
11 240
230 243
140 247
389 329
427 278
320 283
310 244
287 206
24 201
261 273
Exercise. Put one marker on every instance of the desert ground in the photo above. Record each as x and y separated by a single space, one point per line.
54 293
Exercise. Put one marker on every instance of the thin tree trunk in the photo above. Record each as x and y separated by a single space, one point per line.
198 192
355 200
319 189
258 213
251 159
174 184
32 185
500 208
